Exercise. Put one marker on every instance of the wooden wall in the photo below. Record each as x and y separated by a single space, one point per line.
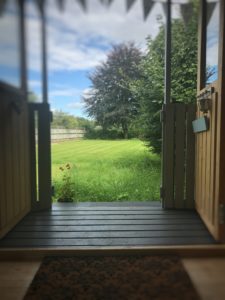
14 159
206 166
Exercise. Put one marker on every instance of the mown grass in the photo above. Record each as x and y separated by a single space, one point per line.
122 170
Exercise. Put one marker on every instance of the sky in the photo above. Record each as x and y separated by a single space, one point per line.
77 42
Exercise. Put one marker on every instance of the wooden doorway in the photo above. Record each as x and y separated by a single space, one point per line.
210 146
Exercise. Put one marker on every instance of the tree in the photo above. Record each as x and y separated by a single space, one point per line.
150 87
64 120
111 102
32 97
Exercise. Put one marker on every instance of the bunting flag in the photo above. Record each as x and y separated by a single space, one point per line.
61 4
40 4
83 4
2 6
164 6
210 9
106 2
147 6
186 10
130 4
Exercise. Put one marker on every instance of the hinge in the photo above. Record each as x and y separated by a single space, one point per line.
162 192
221 214
162 116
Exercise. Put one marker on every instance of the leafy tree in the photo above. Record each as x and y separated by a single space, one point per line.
64 120
111 102
32 97
150 87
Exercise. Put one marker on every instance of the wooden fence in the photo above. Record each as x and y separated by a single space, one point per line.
178 156
66 134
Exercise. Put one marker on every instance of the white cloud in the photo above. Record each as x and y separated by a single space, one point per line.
87 92
75 105
78 40
34 83
65 92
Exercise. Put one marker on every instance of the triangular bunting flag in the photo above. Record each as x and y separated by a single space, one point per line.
164 5
186 10
61 4
109 2
210 9
40 4
106 2
130 4
147 6
83 4
2 6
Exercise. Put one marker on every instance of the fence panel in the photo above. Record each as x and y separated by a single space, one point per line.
178 156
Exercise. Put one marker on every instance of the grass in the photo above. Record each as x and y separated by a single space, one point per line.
122 170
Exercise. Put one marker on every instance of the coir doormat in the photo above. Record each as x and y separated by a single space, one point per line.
112 278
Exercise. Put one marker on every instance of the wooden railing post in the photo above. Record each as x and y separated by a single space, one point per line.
40 156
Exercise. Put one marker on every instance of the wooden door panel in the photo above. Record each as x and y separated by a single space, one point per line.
206 168
14 159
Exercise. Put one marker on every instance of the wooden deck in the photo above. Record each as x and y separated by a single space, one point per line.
108 224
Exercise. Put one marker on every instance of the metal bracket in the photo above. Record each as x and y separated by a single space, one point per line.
204 100
221 214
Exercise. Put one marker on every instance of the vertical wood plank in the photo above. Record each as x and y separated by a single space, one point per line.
208 169
203 168
168 156
2 169
221 116
197 154
190 157
26 156
15 160
179 170
213 159
22 166
44 157
9 164
32 157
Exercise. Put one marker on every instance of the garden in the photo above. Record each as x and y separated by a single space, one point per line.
105 170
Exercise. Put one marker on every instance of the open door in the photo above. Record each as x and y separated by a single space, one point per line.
209 123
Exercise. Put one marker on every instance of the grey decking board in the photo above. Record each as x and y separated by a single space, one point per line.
111 227
112 217
105 234
108 204
128 226
108 209
105 212
108 241
108 222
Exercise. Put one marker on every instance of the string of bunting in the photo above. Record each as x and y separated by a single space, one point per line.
186 9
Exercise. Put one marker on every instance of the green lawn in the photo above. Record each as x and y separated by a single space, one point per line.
108 170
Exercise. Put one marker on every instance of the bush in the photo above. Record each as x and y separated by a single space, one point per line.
98 132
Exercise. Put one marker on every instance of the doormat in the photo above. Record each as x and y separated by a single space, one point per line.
112 278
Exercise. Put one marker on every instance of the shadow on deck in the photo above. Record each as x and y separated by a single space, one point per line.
108 224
